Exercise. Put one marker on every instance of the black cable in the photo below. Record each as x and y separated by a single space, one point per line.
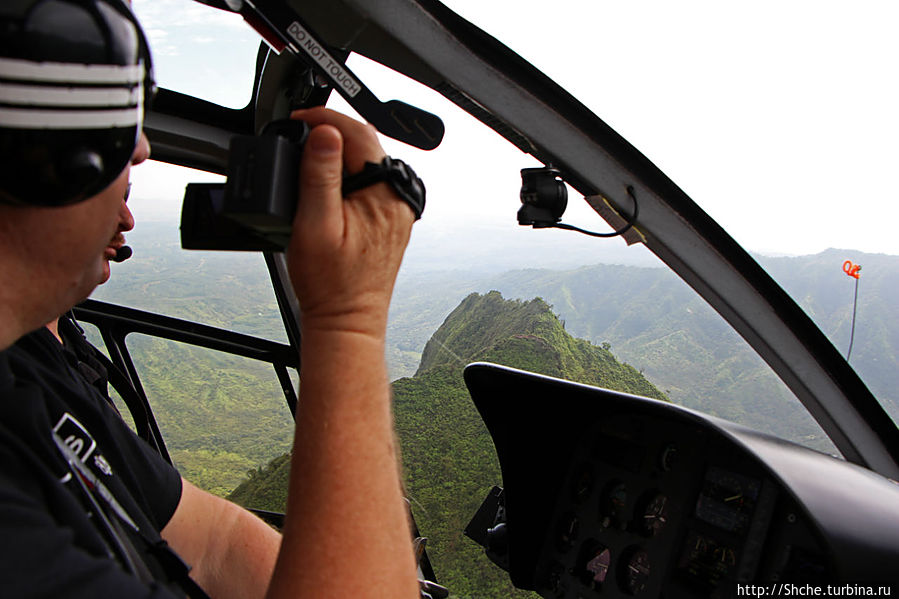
852 332
630 222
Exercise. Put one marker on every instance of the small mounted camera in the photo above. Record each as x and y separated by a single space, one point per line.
254 209
544 197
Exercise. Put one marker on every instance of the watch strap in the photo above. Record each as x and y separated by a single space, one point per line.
395 173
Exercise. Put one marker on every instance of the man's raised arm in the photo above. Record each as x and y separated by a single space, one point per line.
346 533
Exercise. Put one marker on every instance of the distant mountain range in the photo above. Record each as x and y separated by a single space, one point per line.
658 329
654 321
647 315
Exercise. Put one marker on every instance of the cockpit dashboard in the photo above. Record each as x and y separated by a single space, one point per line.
606 494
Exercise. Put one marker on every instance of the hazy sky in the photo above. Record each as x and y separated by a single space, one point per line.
778 118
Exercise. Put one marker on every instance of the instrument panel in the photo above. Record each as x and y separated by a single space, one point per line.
610 495
647 502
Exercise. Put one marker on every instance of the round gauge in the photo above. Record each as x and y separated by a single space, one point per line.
635 571
597 565
567 532
582 484
668 457
613 505
727 499
655 514
556 580
729 489
725 555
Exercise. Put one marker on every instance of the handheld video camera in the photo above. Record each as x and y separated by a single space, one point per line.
254 209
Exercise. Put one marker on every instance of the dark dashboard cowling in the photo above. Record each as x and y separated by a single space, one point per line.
612 495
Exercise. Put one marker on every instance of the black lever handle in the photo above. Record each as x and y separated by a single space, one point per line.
395 119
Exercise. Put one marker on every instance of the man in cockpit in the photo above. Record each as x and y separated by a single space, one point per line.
86 508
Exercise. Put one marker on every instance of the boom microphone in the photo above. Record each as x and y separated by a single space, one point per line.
122 253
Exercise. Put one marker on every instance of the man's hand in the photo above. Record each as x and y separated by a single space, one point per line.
346 532
344 253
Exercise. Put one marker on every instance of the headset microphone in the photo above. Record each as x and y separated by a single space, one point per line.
122 254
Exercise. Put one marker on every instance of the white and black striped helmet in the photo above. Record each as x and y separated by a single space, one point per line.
75 79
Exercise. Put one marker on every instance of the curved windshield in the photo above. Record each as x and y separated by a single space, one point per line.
720 114
773 120
778 119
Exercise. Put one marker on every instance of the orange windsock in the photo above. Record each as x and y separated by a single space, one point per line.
852 270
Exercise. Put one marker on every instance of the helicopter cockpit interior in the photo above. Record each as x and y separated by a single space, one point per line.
597 492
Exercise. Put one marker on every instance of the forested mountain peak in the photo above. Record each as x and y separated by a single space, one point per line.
448 456
481 321
526 335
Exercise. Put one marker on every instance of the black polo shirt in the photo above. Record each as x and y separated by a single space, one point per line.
82 499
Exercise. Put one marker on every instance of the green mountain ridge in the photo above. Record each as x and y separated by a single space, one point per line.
647 316
651 319
526 335
656 322
448 456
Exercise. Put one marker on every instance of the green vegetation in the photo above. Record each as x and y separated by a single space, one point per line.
225 420
448 456
447 453
654 321
220 415
647 316
529 336
265 488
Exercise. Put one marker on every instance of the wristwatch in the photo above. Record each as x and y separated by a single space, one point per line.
395 173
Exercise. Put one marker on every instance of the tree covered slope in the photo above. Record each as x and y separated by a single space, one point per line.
448 456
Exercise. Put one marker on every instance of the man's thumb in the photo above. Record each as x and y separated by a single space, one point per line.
321 174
